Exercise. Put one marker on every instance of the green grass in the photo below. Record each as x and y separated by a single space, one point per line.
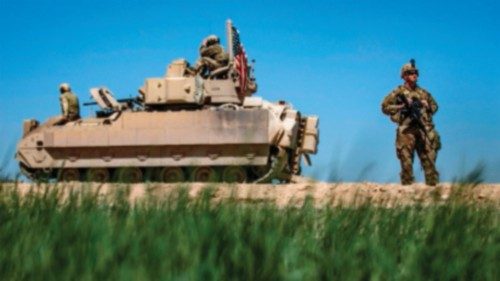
45 238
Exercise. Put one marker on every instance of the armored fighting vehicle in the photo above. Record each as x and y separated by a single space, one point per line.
181 127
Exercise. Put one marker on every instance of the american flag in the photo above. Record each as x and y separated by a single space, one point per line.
240 60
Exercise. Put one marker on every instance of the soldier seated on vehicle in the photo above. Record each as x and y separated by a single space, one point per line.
212 57
70 106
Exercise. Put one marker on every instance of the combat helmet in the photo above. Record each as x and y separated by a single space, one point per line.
64 87
211 40
410 66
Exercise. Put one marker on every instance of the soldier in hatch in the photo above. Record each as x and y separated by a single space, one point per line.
412 108
70 106
212 56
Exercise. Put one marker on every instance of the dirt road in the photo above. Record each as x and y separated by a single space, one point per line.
322 194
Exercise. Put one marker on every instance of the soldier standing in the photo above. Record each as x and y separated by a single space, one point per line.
212 56
70 106
412 108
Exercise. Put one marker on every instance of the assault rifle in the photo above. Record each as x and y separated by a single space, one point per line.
412 109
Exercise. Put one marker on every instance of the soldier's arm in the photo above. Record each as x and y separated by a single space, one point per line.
389 104
433 106
65 106
61 104
214 51
209 51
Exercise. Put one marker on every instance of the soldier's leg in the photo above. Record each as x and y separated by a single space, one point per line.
56 121
435 141
405 147
427 153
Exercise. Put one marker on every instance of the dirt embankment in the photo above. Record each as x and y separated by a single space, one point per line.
321 194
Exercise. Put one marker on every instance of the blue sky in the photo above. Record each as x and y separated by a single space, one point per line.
335 59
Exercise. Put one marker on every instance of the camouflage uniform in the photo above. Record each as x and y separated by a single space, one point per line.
216 53
409 137
70 106
212 56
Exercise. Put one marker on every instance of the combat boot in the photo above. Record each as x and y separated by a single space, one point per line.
406 179
431 179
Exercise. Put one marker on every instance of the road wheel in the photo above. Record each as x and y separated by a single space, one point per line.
172 174
129 175
98 175
204 174
41 176
234 174
257 172
69 175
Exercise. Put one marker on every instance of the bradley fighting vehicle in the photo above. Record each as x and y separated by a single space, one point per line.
182 127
